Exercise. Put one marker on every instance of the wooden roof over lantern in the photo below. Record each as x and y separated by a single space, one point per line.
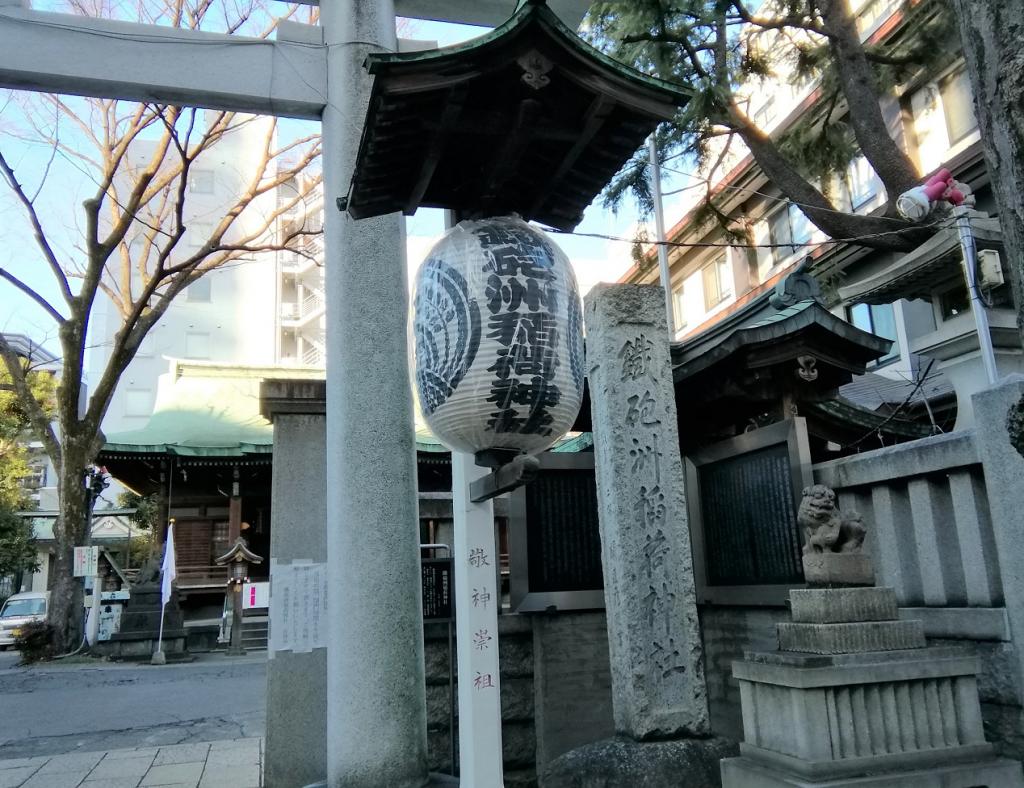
527 119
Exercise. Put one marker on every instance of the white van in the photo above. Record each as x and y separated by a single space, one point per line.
18 610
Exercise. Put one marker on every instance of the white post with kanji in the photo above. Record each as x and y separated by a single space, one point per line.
477 599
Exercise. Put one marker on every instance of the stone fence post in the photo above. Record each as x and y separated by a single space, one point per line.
1003 467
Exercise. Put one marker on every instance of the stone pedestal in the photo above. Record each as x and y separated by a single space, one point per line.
140 628
853 697
838 569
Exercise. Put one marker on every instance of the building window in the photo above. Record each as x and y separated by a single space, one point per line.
958 106
220 541
201 181
199 233
871 13
200 290
679 306
788 231
800 228
717 282
878 319
765 114
197 344
138 402
862 183
955 301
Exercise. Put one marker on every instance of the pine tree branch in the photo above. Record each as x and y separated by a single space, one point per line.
802 22
692 51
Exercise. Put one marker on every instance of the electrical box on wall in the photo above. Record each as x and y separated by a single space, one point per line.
990 269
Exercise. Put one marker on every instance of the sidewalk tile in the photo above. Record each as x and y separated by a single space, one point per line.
172 773
250 743
19 763
12 778
122 768
80 762
54 780
120 782
239 776
116 755
239 757
182 753
172 785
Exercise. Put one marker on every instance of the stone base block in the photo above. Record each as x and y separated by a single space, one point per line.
851 638
838 717
842 605
140 648
624 763
838 569
992 773
434 781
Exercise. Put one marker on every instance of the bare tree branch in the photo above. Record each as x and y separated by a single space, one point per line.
46 305
37 228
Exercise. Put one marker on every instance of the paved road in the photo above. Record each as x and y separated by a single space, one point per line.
60 708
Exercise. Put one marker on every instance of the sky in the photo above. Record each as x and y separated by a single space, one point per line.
69 181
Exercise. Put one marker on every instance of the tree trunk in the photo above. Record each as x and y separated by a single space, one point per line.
992 33
71 530
890 161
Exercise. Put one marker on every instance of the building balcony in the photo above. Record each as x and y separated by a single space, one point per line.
296 314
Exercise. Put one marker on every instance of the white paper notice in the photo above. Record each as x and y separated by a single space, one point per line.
298 606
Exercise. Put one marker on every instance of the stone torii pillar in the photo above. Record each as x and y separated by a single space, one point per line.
376 706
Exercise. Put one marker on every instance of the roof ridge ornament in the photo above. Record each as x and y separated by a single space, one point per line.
794 288
535 68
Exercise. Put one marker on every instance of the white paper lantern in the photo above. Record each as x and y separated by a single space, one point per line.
499 338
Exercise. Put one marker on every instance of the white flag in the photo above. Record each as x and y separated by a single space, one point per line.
168 569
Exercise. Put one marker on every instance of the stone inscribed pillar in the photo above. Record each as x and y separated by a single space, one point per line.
295 750
658 687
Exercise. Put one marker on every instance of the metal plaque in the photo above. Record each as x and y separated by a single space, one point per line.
743 495
436 580
555 545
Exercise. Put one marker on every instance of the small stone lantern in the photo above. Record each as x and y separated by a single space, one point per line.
237 559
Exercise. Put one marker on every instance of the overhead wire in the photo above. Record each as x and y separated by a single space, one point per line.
775 198
943 224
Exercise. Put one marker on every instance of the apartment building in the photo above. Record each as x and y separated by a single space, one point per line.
926 314
265 309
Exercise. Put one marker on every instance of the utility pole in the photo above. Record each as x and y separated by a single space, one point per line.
659 227
917 203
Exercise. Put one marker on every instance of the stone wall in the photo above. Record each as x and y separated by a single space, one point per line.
727 633
519 740
573 688
929 527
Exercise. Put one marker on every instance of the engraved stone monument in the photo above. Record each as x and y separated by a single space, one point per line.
853 696
659 694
